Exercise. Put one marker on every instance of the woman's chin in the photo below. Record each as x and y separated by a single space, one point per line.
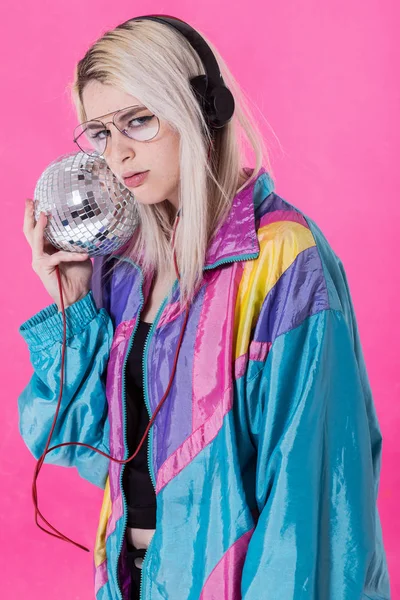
146 201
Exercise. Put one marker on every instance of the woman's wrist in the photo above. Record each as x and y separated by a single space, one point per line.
74 302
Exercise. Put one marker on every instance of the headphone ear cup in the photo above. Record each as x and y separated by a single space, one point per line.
221 105
217 103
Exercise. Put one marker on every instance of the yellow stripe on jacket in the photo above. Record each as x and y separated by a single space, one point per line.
280 243
100 543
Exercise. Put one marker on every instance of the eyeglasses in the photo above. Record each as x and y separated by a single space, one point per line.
136 122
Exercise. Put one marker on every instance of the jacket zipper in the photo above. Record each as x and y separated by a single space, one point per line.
124 428
150 434
232 259
149 444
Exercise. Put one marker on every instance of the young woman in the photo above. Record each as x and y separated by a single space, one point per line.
259 476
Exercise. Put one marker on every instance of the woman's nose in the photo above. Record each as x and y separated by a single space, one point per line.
118 143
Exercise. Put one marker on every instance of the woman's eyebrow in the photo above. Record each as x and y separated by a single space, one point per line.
135 109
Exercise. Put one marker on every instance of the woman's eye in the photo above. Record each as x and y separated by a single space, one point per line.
93 135
141 120
97 136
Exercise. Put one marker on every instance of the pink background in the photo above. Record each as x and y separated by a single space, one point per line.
325 77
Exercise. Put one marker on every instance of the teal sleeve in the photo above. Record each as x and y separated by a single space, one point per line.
83 415
318 536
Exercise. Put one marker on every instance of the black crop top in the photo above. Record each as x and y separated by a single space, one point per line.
138 487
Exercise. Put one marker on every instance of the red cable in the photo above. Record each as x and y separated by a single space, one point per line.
40 461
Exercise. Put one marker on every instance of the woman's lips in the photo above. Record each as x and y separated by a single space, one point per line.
136 180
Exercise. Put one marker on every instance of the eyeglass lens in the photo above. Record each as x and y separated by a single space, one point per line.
137 123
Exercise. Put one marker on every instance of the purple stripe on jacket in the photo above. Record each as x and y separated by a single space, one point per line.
273 203
173 423
214 399
195 443
125 294
299 292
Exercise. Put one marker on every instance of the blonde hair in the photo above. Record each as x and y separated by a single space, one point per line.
154 62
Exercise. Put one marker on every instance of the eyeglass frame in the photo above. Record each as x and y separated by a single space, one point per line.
113 122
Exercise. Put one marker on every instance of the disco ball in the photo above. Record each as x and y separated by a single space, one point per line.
88 209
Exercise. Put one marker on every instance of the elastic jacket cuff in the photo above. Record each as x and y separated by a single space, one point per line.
46 327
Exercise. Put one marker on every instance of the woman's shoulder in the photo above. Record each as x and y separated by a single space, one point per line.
283 231
297 272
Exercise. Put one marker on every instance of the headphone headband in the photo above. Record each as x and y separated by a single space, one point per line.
215 99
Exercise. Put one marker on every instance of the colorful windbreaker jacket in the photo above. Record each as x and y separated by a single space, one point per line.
265 456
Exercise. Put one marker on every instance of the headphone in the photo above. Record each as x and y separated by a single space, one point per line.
215 99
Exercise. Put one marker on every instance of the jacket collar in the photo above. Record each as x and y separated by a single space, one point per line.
236 238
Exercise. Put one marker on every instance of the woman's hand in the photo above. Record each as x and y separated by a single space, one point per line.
75 268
